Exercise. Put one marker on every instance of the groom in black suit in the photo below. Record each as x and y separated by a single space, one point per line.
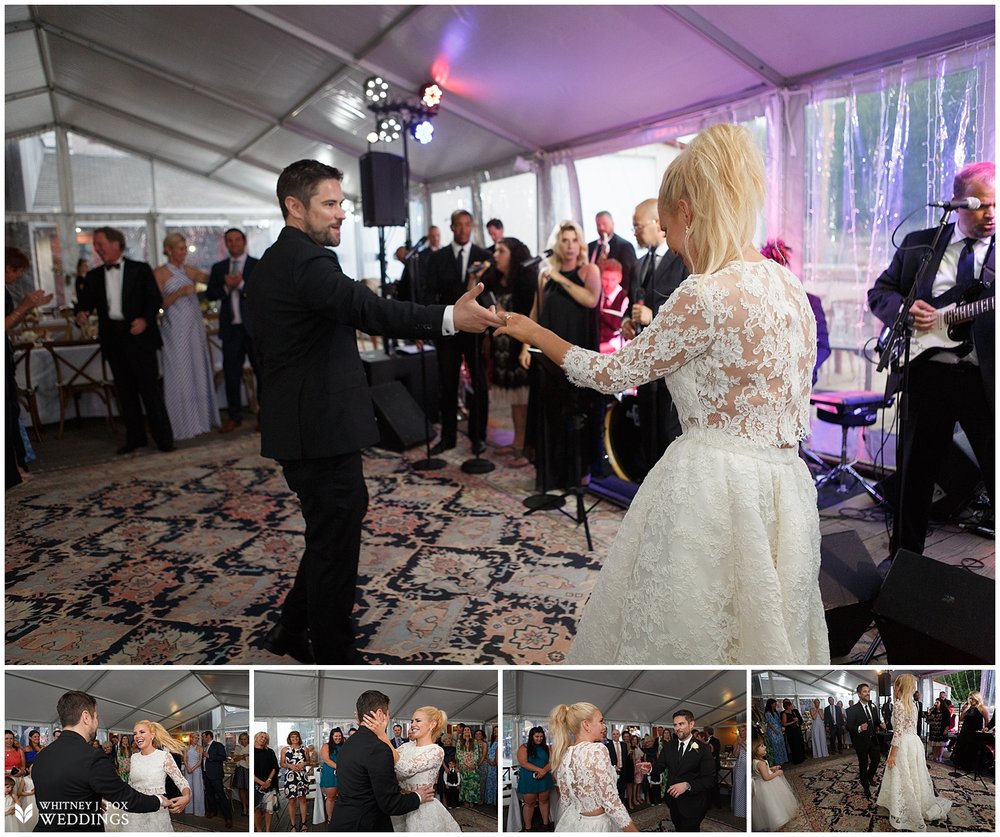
690 770
863 724
368 791
71 777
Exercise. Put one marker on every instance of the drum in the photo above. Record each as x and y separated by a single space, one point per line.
622 441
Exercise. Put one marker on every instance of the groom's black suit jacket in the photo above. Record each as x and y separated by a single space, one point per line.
697 768
369 793
69 770
855 718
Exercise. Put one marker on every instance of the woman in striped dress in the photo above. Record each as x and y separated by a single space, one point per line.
188 377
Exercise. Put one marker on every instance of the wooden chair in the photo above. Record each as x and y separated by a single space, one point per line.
76 377
27 393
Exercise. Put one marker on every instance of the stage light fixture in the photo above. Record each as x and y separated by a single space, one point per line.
430 95
372 136
423 132
377 89
389 129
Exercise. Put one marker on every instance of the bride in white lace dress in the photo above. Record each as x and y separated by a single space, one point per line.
148 773
588 786
418 762
906 788
720 548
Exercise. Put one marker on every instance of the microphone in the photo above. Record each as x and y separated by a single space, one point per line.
965 203
475 267
640 299
415 249
537 260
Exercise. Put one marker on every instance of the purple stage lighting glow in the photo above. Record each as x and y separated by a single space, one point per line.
423 132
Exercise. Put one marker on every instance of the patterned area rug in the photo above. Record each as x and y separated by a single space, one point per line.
185 559
832 799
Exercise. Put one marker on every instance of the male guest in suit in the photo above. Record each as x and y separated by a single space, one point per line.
216 800
316 411
947 385
617 751
863 724
72 777
368 791
920 714
228 283
397 739
494 227
447 279
409 290
716 746
127 301
610 245
654 278
690 771
833 720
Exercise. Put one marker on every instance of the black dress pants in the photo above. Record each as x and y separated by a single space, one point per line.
215 797
236 347
659 424
137 381
685 822
450 351
869 753
941 394
334 501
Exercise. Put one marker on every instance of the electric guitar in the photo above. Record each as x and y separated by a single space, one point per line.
952 327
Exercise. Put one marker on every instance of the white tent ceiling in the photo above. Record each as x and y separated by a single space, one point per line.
715 697
124 696
235 93
464 694
827 683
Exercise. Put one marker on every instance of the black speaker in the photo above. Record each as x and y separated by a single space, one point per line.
885 684
400 420
849 582
383 202
932 613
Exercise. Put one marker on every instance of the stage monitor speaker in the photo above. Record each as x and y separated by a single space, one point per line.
400 420
932 613
884 684
383 202
848 582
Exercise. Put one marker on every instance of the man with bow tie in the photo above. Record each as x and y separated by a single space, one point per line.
690 769
953 382
863 725
127 301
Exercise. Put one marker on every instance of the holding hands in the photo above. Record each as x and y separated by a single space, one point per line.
470 316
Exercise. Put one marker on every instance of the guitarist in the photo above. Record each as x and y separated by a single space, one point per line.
947 385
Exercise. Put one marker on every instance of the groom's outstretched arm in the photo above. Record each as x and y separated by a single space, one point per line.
389 798
660 764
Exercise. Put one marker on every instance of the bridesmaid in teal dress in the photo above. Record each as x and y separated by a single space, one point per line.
774 733
534 779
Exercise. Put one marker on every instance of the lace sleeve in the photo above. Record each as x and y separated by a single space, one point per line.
682 329
596 767
414 760
173 771
904 718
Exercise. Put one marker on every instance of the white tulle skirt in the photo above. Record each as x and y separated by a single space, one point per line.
773 803
719 552
430 817
572 820
907 790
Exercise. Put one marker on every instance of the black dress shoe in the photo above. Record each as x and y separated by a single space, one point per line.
478 448
128 448
868 794
167 448
283 642
441 447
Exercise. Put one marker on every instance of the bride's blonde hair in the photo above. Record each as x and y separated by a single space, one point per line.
903 688
565 722
161 737
438 717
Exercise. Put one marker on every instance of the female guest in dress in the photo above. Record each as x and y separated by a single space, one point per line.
906 788
791 721
480 737
491 769
775 733
975 719
514 288
13 755
588 792
34 747
265 774
819 745
936 738
295 762
774 802
149 768
534 779
566 305
468 754
188 377
738 803
638 757
241 775
123 757
418 762
328 769
728 516
194 757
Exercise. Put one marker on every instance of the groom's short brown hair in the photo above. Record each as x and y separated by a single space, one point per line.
861 686
371 701
72 705
687 714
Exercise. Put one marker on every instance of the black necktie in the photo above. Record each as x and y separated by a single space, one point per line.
647 282
966 264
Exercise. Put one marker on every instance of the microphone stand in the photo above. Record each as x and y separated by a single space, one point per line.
902 330
428 463
543 501
476 465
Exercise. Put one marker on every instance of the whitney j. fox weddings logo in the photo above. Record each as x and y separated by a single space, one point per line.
23 814
67 815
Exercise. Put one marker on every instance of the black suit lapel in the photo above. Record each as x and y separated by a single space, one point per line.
924 291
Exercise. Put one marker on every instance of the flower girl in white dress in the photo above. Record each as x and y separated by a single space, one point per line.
774 802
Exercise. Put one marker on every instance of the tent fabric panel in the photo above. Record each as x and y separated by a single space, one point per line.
247 176
29 113
24 70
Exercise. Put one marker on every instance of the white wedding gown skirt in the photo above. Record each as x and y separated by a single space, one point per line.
907 790
773 803
419 766
719 552
573 821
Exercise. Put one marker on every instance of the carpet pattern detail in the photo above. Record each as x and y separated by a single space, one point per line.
186 558
832 799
